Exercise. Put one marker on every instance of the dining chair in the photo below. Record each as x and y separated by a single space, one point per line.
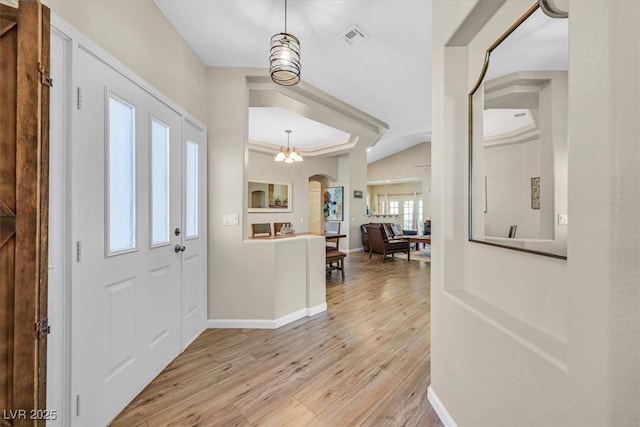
332 227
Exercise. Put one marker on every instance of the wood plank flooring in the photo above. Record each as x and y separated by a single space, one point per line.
366 361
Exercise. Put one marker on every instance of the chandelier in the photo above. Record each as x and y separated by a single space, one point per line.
284 56
288 155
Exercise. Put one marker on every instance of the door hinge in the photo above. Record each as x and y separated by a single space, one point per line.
77 405
43 328
78 250
44 76
79 98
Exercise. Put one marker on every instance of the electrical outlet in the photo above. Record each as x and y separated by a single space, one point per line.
563 219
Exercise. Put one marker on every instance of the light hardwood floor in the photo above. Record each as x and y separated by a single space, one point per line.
366 361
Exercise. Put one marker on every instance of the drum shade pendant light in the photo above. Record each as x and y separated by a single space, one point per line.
288 155
284 57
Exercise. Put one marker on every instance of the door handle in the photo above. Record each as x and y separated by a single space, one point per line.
179 248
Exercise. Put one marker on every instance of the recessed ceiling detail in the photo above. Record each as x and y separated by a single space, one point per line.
311 106
267 126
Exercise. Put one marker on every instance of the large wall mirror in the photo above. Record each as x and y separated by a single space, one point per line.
266 196
518 139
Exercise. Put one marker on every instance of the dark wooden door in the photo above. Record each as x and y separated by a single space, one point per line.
24 175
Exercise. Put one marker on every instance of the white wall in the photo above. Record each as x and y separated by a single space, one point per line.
519 338
139 35
508 169
402 164
235 291
352 169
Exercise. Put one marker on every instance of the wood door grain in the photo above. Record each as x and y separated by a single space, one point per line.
8 95
24 110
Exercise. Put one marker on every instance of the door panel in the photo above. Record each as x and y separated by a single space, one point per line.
315 212
126 289
161 281
8 94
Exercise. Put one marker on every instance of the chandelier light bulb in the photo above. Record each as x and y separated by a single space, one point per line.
288 155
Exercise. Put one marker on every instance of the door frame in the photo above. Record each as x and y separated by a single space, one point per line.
76 40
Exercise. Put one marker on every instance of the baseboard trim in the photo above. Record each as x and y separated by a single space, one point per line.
317 309
354 250
437 405
265 323
240 324
292 317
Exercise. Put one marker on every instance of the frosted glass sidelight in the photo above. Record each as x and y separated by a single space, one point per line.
122 176
191 190
159 183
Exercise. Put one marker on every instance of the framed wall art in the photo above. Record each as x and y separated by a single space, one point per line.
535 193
333 203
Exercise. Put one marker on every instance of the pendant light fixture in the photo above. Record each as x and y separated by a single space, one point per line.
288 155
284 56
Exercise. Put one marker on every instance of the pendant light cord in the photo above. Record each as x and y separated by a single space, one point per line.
285 16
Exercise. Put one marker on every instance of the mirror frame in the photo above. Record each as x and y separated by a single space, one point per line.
483 72
270 209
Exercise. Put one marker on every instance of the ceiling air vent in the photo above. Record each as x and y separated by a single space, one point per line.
354 35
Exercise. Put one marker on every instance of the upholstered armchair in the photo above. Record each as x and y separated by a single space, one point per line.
380 244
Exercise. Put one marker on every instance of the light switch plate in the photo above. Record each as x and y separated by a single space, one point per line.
563 219
230 219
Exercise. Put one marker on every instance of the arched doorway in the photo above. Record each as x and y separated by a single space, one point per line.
316 221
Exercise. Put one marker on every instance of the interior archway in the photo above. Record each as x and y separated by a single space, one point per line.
316 184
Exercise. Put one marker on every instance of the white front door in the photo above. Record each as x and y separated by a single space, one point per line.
194 292
128 229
